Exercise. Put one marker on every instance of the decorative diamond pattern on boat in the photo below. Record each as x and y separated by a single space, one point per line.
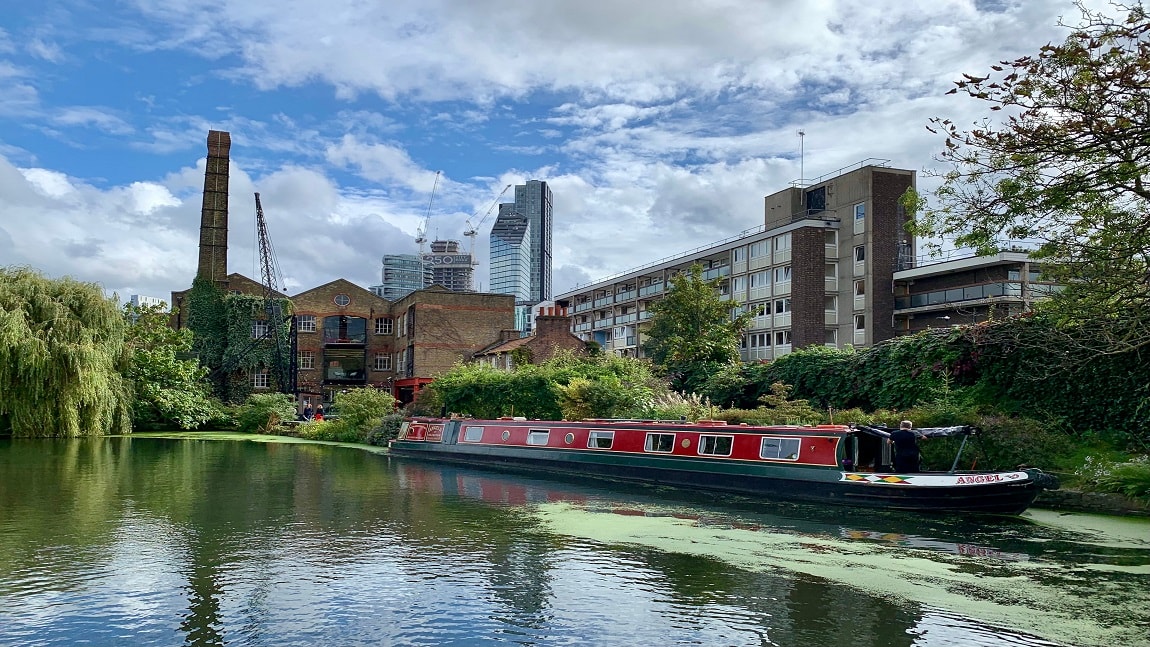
874 478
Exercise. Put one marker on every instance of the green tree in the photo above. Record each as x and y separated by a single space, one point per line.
692 333
62 357
1066 169
169 391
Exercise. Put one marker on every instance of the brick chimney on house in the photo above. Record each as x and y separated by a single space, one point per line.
552 320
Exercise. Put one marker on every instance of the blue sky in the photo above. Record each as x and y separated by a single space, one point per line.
660 124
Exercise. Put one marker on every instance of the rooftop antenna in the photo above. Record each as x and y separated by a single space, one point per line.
802 173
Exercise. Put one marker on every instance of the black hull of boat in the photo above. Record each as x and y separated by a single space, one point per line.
821 486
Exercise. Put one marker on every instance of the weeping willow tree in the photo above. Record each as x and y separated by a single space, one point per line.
62 355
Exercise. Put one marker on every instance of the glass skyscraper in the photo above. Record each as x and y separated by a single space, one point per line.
511 254
402 274
533 200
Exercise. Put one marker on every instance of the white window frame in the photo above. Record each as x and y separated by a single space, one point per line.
538 436
781 448
305 323
650 446
306 360
260 329
860 253
261 379
382 362
710 445
383 325
594 438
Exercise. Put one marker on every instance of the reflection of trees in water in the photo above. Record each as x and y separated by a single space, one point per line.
230 508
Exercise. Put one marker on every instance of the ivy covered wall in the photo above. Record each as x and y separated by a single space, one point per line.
222 324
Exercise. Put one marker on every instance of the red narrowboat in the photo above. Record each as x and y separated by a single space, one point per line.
847 465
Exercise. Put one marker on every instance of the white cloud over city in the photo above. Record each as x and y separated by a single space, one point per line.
659 125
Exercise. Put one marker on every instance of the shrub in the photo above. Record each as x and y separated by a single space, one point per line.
674 406
1131 478
387 430
364 408
264 412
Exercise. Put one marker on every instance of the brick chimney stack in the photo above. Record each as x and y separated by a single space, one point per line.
213 258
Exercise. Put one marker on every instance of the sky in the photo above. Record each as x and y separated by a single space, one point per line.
660 125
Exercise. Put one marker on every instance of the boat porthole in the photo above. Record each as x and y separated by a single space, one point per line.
686 443
506 434
569 438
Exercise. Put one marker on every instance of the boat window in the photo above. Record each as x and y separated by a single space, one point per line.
600 439
538 436
472 434
660 443
716 445
786 449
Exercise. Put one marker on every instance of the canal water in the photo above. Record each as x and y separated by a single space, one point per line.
187 541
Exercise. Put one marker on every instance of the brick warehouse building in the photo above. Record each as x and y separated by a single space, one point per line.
349 337
346 336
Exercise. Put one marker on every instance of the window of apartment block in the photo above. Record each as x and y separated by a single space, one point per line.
782 306
860 288
860 253
782 338
261 379
831 337
831 238
305 323
259 329
382 362
831 270
383 326
739 285
860 323
783 274
757 340
831 303
760 279
860 218
758 249
306 359
738 254
782 242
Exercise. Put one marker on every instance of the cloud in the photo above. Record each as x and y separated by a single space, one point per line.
99 118
660 124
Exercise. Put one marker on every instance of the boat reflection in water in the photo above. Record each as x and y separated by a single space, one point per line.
782 571
722 511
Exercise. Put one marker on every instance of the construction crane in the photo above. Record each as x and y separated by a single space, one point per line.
282 365
472 231
421 233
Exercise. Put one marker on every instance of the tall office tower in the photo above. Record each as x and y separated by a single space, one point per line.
534 201
511 254
213 261
402 274
450 267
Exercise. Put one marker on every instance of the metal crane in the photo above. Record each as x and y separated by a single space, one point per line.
421 233
472 231
282 365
